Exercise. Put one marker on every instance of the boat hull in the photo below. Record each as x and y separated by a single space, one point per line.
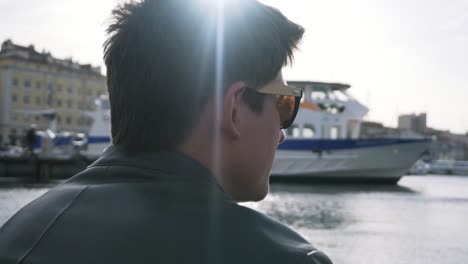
387 163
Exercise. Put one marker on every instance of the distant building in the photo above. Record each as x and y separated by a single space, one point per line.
414 123
448 146
31 81
371 129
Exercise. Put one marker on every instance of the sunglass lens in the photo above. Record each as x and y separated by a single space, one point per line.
286 110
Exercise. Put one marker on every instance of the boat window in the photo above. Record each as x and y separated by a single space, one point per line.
296 132
317 95
289 130
340 95
331 96
334 132
308 131
293 131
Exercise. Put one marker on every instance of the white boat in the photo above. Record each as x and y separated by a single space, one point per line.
324 141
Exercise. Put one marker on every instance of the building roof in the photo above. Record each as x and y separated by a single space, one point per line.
29 53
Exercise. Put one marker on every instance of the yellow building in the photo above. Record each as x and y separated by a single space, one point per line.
31 81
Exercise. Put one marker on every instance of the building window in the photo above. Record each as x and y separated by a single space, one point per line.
14 98
26 99
59 103
38 85
59 88
70 89
37 118
69 120
38 100
81 120
69 103
15 81
27 84
59 120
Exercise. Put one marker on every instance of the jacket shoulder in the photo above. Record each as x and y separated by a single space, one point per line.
21 233
279 240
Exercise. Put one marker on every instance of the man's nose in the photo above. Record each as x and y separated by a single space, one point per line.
282 136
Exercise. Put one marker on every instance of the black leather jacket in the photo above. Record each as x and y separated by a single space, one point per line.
147 208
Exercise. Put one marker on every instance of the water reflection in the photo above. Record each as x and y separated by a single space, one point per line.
418 221
318 214
319 206
12 198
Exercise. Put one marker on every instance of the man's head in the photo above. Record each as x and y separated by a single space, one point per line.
183 74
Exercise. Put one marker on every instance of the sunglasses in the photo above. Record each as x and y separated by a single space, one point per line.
288 101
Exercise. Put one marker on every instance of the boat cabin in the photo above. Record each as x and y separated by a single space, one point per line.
327 111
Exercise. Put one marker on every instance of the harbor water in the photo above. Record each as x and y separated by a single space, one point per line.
423 219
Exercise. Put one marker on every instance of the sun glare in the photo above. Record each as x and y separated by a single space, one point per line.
215 5
219 4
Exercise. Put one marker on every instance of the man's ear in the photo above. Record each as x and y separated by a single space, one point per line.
231 113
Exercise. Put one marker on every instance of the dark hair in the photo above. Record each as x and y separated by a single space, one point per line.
161 58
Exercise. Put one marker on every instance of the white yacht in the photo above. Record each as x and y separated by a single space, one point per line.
323 143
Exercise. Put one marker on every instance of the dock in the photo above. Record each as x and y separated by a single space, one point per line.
41 169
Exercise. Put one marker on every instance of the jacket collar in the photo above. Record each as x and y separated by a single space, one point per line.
174 163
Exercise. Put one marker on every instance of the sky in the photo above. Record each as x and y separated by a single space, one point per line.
400 56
